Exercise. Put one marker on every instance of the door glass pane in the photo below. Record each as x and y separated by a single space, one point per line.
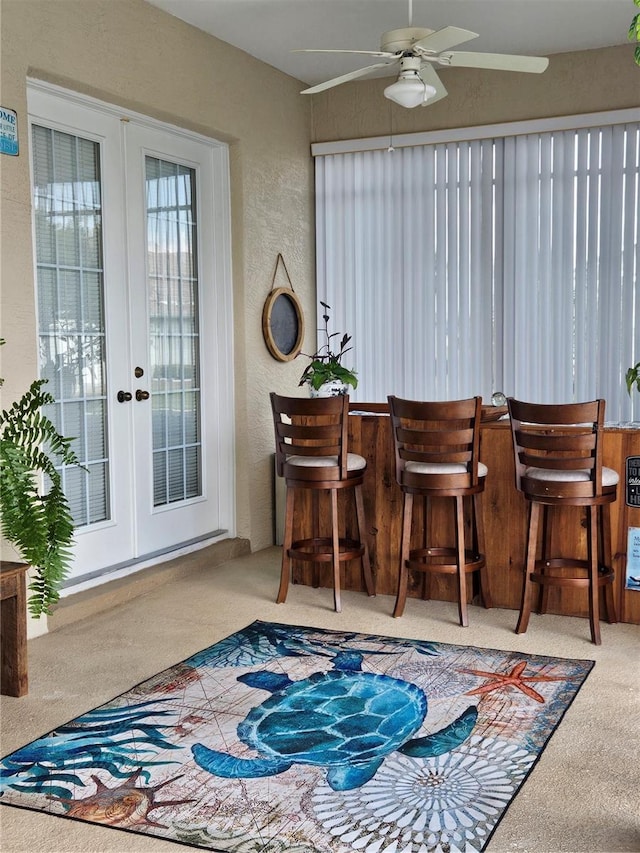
69 258
174 330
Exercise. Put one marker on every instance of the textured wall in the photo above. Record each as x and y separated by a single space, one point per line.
131 54
582 82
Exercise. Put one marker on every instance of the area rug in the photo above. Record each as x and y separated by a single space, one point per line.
285 738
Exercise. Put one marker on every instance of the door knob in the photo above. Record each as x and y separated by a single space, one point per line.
142 395
123 396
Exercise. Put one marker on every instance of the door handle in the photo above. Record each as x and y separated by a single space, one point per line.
142 395
123 396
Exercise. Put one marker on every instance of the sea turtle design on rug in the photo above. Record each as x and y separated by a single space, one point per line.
345 719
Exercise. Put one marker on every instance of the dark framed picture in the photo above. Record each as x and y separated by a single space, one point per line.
283 324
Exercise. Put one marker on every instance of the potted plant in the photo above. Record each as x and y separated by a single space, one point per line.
632 377
36 518
634 35
326 376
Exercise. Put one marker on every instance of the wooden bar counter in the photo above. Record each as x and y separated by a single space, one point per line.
505 515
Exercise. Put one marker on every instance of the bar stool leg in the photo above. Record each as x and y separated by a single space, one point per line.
335 534
315 533
285 571
403 574
543 592
427 517
366 563
478 517
607 560
461 559
532 540
592 546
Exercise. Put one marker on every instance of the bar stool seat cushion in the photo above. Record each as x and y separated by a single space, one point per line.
559 475
355 462
443 468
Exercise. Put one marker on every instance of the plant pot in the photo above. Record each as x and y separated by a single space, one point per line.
332 388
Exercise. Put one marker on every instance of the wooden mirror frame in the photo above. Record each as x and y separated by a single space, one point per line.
273 336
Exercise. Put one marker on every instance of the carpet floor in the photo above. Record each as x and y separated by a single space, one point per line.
580 796
284 737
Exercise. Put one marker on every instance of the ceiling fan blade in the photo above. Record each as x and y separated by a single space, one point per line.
444 39
331 50
496 61
429 76
352 75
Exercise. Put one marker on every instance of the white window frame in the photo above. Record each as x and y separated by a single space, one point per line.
381 276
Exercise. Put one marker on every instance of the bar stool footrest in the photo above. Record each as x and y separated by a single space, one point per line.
543 578
426 560
320 550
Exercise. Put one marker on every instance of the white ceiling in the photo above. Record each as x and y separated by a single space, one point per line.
271 29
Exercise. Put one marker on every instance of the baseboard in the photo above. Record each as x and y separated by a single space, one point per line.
82 605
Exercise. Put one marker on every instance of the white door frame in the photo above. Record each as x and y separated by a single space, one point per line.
67 111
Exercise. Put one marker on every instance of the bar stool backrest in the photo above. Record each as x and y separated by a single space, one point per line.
561 445
314 429
443 438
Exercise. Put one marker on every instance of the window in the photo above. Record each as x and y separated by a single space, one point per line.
506 262
67 191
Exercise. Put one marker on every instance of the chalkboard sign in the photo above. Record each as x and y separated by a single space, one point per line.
283 324
633 481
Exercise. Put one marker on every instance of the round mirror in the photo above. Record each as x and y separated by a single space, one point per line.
283 324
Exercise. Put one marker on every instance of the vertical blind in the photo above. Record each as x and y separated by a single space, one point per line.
172 287
69 260
498 264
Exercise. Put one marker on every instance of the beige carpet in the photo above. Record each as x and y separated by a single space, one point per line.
583 796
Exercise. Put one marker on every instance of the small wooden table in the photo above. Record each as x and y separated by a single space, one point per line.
13 629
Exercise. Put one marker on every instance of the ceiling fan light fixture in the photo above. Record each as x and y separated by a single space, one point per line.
409 90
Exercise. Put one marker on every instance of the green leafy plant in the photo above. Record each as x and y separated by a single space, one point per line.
634 33
38 523
326 364
632 377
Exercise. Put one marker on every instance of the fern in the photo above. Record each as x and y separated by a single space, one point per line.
39 524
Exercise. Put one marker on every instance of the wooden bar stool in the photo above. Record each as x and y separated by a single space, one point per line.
558 463
437 448
311 453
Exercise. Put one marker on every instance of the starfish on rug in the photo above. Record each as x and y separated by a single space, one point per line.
515 678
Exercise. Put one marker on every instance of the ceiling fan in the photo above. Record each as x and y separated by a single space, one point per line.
417 50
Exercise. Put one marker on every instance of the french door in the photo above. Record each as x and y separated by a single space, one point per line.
131 226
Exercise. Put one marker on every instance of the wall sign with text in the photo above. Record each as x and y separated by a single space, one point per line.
633 559
8 131
633 481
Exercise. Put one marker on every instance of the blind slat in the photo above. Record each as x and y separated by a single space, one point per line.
497 264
